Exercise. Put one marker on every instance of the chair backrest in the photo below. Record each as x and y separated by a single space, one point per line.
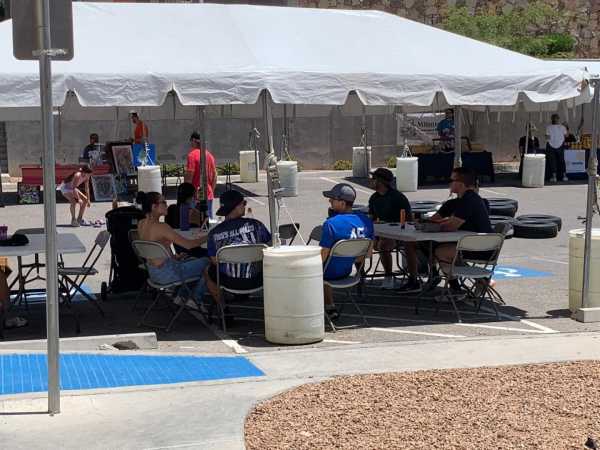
316 233
102 239
502 228
289 231
240 254
351 248
488 245
150 250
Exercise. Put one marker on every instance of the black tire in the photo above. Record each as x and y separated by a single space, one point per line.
495 200
503 209
542 218
494 219
534 229
497 220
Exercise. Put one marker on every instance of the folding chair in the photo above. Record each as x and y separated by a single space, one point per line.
237 254
348 248
35 265
315 234
70 286
133 235
474 263
288 232
153 250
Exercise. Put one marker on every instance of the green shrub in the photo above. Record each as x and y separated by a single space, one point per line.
390 163
228 169
173 170
342 164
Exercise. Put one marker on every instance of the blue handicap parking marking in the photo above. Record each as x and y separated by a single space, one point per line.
511 273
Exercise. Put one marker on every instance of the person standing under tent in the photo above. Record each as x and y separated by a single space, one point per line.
193 170
445 129
532 147
556 133
70 189
94 139
140 132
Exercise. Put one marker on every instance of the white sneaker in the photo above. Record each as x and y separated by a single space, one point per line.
189 303
388 283
565 178
553 179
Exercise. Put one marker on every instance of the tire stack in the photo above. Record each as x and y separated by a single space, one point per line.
529 226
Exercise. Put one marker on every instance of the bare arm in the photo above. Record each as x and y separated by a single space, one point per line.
325 253
171 235
452 224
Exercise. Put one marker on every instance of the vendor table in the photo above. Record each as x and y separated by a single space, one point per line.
439 165
32 174
576 162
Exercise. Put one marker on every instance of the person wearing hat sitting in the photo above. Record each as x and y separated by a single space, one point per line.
385 205
344 224
234 230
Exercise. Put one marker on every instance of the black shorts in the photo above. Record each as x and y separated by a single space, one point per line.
236 284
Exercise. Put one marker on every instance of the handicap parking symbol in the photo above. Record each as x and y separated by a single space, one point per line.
512 273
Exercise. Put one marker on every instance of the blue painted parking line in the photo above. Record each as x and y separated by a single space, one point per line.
512 272
40 296
20 373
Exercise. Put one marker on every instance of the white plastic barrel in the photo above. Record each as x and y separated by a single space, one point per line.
293 293
407 174
149 179
576 246
248 166
534 170
359 170
288 178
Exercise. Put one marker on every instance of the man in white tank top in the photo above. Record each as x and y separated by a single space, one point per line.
555 150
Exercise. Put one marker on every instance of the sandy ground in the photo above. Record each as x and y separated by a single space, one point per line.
549 406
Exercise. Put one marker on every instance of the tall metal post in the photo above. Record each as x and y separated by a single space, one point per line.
43 16
458 136
591 196
270 160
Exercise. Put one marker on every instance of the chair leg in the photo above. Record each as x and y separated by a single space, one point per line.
175 317
360 313
330 322
70 282
145 289
142 321
67 304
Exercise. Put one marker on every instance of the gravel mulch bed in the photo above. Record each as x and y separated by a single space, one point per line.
546 406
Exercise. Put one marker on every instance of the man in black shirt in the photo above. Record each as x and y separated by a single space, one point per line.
385 205
91 146
470 214
532 147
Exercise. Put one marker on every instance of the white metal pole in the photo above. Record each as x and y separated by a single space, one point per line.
49 209
591 196
458 136
269 160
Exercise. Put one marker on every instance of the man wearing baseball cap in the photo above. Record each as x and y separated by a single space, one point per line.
344 224
385 205
234 230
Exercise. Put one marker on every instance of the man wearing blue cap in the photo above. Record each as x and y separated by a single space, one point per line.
344 224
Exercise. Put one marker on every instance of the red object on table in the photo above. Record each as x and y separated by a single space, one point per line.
33 175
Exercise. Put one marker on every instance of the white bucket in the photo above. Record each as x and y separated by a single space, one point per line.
407 174
293 292
149 179
534 170
288 178
576 247
248 166
359 170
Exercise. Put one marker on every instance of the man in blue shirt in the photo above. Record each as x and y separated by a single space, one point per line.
445 129
234 230
343 225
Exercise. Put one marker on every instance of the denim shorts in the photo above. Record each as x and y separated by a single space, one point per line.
174 270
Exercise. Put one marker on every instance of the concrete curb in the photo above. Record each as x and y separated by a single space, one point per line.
144 341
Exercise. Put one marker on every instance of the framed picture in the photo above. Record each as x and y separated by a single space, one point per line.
104 187
123 159
28 194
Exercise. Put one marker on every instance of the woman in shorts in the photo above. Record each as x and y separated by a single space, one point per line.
70 188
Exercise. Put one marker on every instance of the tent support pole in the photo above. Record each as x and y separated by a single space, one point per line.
591 197
458 136
43 17
270 165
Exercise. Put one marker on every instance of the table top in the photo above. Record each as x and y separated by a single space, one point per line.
409 234
66 243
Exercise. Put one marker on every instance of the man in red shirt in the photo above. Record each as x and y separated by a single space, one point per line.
140 133
193 172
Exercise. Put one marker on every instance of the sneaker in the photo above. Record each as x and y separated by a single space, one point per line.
565 178
74 223
15 322
553 179
411 285
332 312
388 283
188 303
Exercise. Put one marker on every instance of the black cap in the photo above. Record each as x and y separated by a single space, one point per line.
229 201
195 135
384 175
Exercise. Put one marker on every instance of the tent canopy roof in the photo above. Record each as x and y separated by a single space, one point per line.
211 54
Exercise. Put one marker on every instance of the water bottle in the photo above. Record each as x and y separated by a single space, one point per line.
184 217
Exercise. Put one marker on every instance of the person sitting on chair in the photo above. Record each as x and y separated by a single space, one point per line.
385 206
234 230
345 224
470 214
175 268
185 195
